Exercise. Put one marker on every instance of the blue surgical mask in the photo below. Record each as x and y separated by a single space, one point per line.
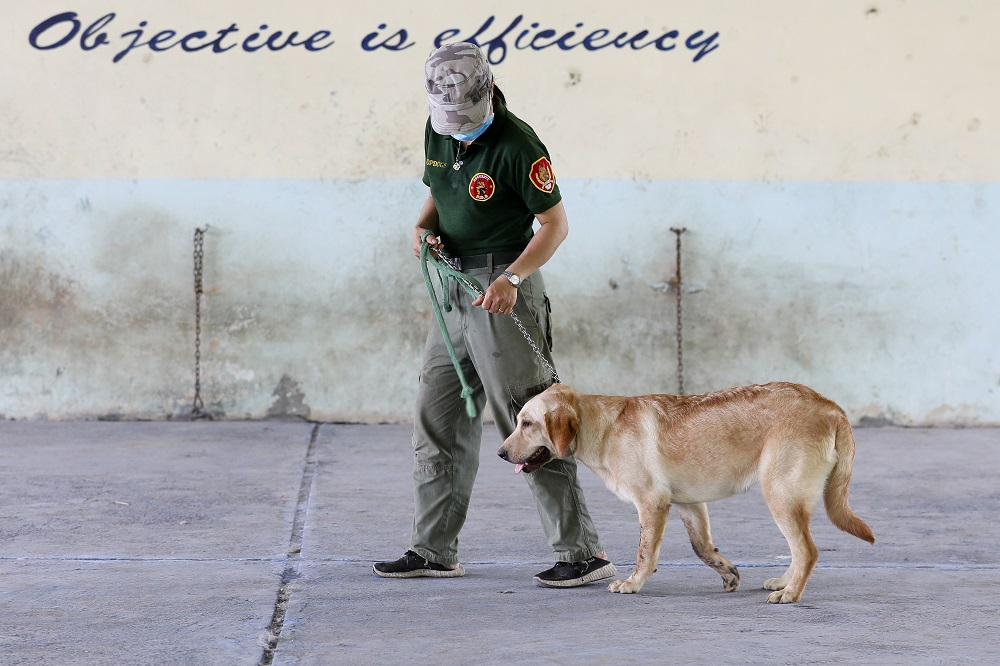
476 133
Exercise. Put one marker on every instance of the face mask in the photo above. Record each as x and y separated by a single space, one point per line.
476 133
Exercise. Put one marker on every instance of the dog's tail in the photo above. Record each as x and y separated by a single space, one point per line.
835 495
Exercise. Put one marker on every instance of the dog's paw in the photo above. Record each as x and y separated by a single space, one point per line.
731 581
774 584
627 586
783 597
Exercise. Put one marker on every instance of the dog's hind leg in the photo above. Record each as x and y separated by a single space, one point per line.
695 517
652 521
791 502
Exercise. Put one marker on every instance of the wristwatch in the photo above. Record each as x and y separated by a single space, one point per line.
512 278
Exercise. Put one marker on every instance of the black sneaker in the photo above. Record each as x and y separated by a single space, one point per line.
571 574
412 565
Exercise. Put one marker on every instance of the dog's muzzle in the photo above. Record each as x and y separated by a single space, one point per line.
536 460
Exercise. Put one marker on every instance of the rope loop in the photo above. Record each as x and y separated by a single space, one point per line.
471 285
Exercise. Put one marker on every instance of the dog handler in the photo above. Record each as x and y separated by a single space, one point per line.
490 179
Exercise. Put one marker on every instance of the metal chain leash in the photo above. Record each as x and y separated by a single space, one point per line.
678 284
535 348
517 320
198 406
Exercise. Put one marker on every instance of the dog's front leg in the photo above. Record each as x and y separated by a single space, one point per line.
652 521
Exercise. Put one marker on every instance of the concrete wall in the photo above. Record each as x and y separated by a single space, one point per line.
834 164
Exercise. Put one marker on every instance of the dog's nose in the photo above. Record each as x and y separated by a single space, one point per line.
502 453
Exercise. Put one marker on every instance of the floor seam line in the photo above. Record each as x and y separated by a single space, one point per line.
294 556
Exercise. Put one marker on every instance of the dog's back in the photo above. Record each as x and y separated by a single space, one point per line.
709 446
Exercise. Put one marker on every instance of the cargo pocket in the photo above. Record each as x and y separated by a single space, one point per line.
521 393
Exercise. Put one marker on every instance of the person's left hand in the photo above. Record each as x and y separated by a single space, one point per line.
499 298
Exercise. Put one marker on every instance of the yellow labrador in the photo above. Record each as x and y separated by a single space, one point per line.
659 450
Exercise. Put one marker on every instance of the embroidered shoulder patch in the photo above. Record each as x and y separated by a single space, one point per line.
541 175
481 187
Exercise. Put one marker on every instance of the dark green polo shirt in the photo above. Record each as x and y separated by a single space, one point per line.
490 202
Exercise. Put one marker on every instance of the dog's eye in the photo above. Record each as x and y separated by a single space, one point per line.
526 424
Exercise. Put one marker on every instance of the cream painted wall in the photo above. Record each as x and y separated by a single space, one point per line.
835 165
814 89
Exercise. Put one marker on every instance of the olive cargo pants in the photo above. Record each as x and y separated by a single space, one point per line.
502 369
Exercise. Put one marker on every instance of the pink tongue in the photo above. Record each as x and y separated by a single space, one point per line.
518 468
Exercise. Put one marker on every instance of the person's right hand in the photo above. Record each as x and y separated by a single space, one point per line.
432 240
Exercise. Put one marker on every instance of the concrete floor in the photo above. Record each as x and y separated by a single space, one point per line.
252 542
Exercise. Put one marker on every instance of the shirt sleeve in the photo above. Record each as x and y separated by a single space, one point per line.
534 177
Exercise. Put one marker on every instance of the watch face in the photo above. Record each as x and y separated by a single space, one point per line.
514 280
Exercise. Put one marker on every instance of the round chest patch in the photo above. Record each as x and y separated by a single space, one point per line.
481 187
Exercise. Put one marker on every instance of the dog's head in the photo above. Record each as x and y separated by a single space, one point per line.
546 428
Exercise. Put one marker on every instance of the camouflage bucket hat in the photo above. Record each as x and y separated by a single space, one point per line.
458 78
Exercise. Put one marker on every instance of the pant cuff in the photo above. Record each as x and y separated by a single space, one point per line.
434 557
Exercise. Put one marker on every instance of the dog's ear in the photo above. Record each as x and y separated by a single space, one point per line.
562 425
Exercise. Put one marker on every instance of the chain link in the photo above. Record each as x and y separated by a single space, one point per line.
678 284
198 406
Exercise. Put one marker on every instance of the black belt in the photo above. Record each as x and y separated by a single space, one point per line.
486 260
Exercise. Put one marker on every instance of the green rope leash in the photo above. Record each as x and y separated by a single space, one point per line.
471 285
